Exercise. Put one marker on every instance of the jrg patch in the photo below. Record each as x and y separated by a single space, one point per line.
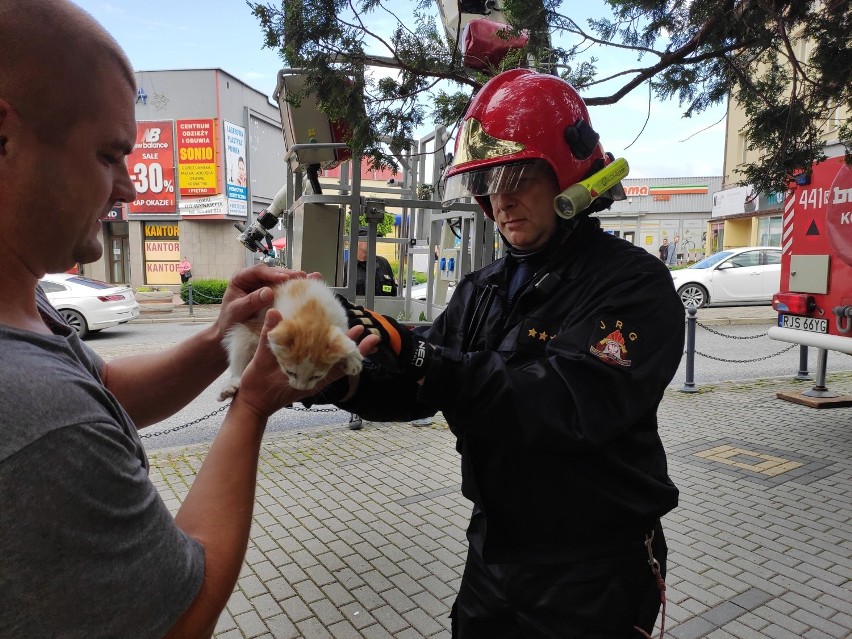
613 342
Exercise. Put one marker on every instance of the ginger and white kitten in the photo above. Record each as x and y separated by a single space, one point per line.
308 341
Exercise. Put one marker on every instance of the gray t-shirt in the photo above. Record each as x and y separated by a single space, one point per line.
87 546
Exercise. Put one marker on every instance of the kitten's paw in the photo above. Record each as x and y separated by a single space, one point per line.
352 363
229 391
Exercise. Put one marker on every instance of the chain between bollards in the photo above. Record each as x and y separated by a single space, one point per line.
691 321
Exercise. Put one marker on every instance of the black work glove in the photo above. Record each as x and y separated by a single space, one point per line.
401 351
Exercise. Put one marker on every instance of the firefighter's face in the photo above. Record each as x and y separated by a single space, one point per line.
526 217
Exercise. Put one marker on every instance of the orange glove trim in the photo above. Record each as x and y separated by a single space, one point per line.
393 334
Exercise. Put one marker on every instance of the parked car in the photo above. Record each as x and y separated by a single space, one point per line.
89 305
750 275
418 291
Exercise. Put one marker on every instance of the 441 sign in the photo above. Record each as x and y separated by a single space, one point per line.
151 167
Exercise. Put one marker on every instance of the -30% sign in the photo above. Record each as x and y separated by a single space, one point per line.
148 178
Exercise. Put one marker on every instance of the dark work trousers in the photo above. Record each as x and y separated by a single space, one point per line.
601 598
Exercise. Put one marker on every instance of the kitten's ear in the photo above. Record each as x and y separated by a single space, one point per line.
338 341
282 334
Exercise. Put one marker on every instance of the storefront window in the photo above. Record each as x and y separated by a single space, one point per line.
769 231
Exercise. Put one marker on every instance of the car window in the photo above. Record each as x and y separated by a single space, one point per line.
85 281
772 257
711 260
52 287
749 258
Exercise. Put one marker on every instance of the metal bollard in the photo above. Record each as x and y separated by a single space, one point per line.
820 389
189 295
803 364
689 383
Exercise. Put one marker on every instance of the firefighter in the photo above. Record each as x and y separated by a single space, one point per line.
549 366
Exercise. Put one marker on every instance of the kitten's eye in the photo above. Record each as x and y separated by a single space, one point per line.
290 373
317 377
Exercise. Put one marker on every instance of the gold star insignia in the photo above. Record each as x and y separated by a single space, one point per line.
543 336
532 332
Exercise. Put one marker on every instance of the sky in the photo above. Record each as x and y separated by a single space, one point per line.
202 34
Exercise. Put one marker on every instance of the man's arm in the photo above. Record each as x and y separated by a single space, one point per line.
154 386
217 510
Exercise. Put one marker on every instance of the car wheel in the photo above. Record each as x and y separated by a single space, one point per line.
693 295
75 321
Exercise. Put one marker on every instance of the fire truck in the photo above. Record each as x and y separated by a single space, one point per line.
815 301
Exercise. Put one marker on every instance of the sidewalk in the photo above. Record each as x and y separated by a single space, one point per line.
361 533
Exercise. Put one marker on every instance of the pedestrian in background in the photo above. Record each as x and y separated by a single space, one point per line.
88 548
184 267
671 256
385 282
664 250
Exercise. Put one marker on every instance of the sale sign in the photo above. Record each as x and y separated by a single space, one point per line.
151 166
196 151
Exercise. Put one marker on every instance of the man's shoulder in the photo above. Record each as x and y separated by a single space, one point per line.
48 389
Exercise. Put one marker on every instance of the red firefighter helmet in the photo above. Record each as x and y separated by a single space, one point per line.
518 120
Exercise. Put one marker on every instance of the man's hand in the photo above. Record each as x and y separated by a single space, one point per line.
400 350
249 292
264 387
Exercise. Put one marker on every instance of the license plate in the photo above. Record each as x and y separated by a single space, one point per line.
809 324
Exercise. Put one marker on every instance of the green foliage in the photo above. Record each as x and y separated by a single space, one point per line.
383 228
698 52
204 291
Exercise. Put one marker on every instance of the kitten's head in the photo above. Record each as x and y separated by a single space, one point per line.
306 351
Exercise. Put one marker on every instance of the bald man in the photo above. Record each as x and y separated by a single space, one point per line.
87 546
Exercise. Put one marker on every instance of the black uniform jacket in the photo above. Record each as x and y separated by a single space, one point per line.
553 397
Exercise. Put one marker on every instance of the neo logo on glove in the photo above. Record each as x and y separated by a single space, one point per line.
418 357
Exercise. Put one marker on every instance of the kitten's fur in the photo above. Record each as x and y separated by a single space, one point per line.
307 342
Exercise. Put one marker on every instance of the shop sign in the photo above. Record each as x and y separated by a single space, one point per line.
196 153
206 206
161 253
151 167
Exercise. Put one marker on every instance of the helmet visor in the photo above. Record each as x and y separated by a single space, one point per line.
503 178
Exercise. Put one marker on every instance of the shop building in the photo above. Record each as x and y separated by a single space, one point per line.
742 217
662 208
209 153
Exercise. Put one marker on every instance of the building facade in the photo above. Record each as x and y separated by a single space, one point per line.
209 153
742 217
662 208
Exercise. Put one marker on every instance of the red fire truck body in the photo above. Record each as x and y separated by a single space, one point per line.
815 302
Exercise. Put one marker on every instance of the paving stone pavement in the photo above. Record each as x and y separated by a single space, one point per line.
361 533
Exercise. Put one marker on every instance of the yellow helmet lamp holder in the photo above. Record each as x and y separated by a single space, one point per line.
578 197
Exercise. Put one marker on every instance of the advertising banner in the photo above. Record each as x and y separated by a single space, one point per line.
214 205
161 253
236 179
151 167
196 152
235 153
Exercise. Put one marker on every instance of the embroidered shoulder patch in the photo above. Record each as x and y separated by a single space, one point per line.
611 342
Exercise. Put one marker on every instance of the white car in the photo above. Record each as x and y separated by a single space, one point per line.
89 305
750 275
418 292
